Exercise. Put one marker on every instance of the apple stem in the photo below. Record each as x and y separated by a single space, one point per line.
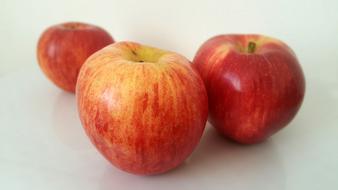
251 47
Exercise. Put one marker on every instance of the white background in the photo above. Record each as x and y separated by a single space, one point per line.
42 145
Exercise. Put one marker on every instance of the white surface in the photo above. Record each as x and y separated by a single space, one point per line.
42 144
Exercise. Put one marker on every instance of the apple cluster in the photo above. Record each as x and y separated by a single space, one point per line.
145 109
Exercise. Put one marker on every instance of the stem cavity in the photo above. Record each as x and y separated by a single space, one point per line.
251 47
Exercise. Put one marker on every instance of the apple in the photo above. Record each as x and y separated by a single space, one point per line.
63 48
143 108
255 85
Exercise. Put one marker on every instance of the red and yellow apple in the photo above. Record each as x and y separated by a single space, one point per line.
255 85
63 48
143 108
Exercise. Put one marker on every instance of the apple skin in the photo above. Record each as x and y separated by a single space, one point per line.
144 109
253 93
63 48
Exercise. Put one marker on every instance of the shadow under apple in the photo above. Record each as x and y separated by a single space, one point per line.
216 164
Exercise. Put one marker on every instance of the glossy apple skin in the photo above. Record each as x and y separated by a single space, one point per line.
144 117
251 95
63 48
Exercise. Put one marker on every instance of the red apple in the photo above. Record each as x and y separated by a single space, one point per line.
63 48
255 85
143 108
